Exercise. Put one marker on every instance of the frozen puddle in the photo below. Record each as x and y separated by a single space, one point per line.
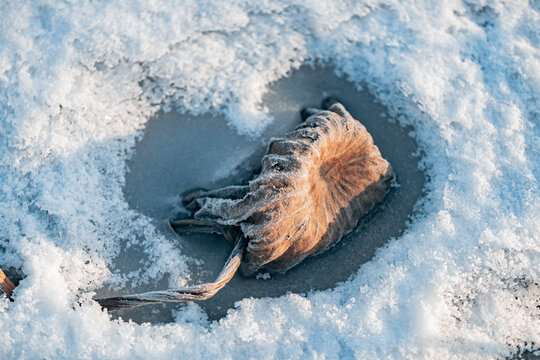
181 152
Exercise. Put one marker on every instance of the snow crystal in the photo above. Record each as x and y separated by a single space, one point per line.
263 276
78 81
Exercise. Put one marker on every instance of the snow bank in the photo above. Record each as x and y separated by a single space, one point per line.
79 81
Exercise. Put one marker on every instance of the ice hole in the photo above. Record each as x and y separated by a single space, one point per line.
180 152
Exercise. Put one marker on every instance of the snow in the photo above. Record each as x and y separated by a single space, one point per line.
78 82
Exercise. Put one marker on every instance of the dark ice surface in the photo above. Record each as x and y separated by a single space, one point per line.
180 152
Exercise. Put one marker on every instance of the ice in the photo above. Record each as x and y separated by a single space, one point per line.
180 152
79 82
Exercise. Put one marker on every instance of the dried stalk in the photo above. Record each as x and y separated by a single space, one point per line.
6 286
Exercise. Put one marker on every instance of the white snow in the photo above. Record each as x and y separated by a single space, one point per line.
78 81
